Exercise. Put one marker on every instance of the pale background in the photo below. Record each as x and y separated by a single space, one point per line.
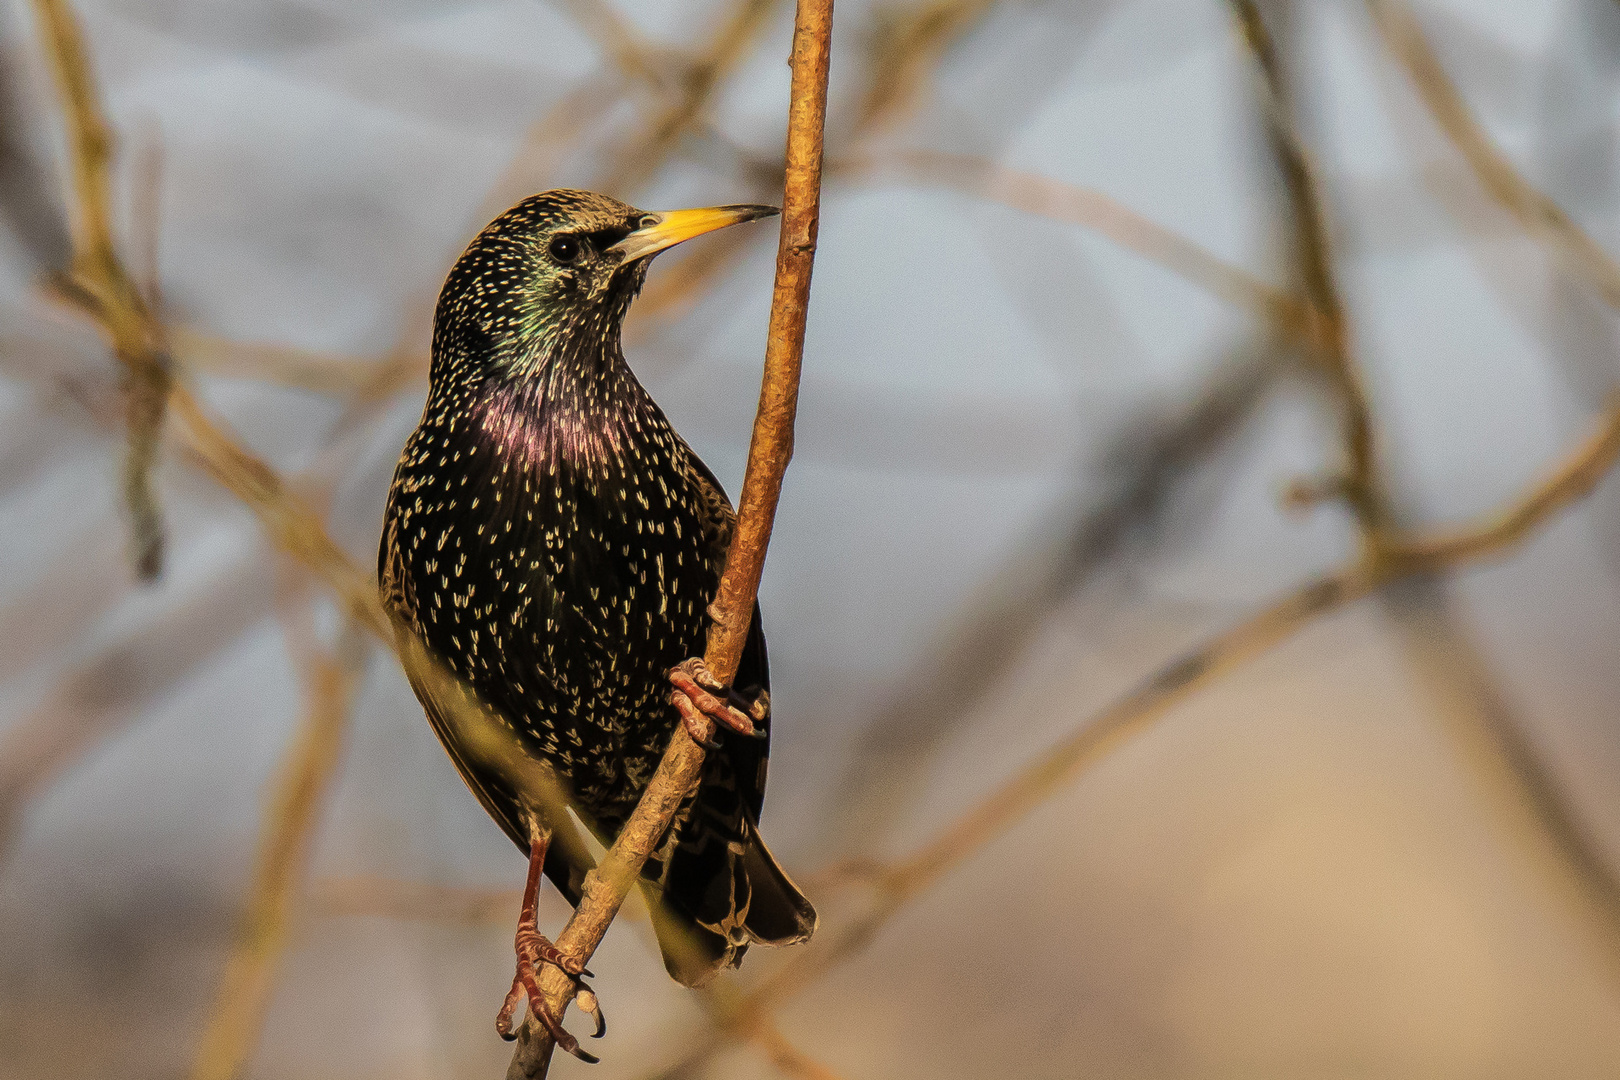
1300 873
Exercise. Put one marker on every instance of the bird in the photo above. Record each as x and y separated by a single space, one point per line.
554 543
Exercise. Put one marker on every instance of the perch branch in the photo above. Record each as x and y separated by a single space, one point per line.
768 454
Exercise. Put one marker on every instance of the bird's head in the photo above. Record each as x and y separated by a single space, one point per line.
553 277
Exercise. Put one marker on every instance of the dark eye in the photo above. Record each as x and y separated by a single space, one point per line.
565 249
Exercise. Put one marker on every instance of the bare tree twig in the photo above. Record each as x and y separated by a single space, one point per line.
286 835
644 157
1360 485
1153 452
1575 477
1044 197
769 452
1542 218
98 274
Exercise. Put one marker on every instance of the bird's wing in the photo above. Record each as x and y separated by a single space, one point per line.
720 520
741 765
568 860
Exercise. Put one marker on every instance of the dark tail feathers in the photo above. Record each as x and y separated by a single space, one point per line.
719 897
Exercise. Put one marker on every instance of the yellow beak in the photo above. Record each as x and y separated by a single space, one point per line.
660 231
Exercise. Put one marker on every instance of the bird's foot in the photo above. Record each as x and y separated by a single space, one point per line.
533 950
703 701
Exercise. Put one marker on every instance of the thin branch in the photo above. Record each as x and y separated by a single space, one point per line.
769 452
285 839
789 1058
98 274
738 33
1542 218
1361 485
1576 476
1049 198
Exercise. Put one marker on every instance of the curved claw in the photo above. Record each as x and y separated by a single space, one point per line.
526 984
697 725
588 1003
758 708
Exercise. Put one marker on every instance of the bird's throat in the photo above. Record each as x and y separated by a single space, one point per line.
575 408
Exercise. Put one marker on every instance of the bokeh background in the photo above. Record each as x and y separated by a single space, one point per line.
1057 429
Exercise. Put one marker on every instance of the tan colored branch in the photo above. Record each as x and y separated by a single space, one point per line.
1048 198
1361 484
1574 478
768 455
1542 218
789 1058
102 280
738 33
905 50
285 839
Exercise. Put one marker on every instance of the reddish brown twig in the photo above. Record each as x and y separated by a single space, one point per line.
768 456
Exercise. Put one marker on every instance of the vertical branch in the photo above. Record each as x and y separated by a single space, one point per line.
1359 485
772 445
99 280
768 453
284 845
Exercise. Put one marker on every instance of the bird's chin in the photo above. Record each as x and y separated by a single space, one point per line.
628 278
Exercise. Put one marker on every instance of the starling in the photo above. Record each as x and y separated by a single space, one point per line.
556 544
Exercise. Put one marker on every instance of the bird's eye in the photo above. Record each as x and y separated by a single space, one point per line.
647 222
565 249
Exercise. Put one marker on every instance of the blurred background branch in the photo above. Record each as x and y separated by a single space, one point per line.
918 773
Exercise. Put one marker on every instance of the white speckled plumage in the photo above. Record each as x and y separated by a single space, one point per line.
556 543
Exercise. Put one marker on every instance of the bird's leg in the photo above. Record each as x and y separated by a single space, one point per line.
534 949
697 696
